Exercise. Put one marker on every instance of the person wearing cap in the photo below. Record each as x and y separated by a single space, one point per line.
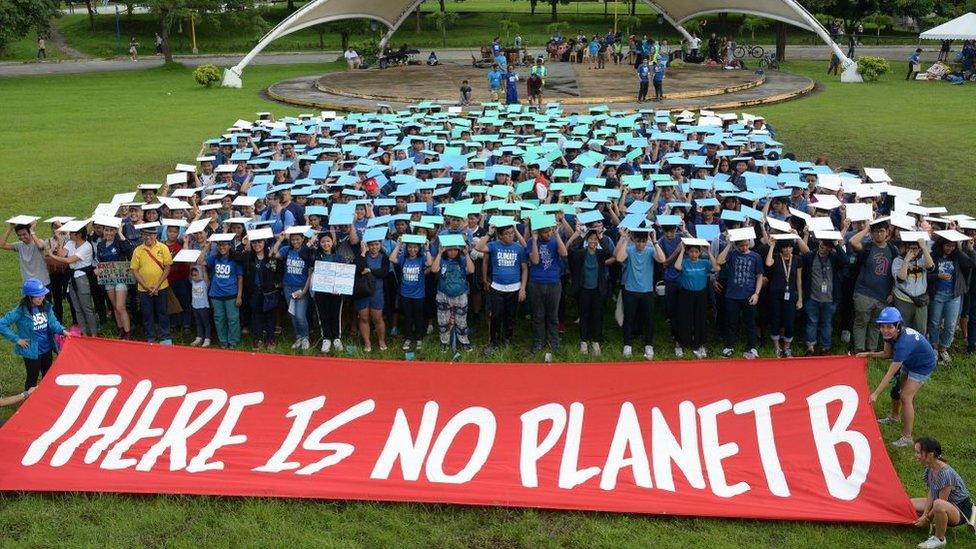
150 266
110 248
912 363
80 258
949 282
30 252
31 327
874 281
742 289
637 253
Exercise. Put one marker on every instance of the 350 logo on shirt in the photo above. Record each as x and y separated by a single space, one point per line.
222 270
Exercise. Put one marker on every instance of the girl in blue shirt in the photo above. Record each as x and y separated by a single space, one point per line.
372 263
297 264
638 253
414 263
31 326
226 293
694 269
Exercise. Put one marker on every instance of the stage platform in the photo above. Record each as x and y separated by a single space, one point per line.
575 86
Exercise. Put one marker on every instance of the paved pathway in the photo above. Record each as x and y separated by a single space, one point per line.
779 86
17 68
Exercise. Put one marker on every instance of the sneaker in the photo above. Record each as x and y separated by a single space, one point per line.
888 420
727 353
326 346
596 349
750 354
206 343
679 352
383 347
903 442
628 351
406 345
337 344
305 344
845 336
394 331
584 348
932 543
648 352
196 342
419 345
166 342
944 356
297 343
466 347
548 358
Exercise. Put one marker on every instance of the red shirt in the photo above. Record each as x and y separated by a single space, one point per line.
177 271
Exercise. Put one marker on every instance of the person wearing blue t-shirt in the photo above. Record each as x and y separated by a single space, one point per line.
495 77
637 253
643 79
912 360
226 293
298 263
546 253
660 67
414 262
511 86
508 279
913 63
670 240
745 281
694 265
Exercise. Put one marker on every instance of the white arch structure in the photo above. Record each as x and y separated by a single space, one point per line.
393 13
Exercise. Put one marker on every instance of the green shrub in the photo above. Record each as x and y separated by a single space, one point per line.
207 75
872 68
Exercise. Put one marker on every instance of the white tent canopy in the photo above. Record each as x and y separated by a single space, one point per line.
393 13
960 28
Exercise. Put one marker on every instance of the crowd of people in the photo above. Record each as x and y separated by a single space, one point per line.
467 223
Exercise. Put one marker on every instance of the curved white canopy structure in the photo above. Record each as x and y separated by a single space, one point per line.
960 28
393 13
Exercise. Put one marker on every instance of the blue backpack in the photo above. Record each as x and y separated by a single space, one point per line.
454 280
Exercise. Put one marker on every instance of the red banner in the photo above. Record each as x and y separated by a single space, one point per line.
757 439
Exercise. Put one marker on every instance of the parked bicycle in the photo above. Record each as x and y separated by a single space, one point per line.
769 62
752 50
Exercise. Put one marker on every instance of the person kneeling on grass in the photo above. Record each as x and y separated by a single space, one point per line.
948 503
913 360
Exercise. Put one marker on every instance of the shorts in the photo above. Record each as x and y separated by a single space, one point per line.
915 376
374 302
115 287
965 510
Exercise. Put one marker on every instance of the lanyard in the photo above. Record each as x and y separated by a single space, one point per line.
786 269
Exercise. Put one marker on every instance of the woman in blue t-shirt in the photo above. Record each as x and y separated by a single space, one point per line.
694 269
372 264
297 263
414 262
30 326
638 253
947 285
226 292
912 360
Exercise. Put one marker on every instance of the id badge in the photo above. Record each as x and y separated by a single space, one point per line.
786 296
823 287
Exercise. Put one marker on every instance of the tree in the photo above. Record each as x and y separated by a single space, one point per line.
170 12
19 17
553 4
629 23
879 20
916 9
753 23
443 20
347 28
848 10
509 26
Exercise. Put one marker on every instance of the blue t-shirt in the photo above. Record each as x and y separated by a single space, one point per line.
506 262
223 275
111 251
639 269
668 247
694 274
643 71
945 288
659 69
374 264
744 269
913 351
495 79
547 271
39 317
412 280
296 268
591 272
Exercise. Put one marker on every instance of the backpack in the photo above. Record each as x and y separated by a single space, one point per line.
454 280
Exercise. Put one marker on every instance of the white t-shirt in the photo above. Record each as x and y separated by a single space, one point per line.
694 42
85 253
351 54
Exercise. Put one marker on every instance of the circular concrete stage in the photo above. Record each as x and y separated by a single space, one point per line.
575 86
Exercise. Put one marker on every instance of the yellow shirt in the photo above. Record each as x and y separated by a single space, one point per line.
148 269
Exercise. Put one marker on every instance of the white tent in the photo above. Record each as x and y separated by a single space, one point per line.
960 28
392 13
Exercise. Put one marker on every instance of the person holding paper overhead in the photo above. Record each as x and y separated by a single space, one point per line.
30 251
414 260
454 265
546 253
637 251
742 290
588 263
954 261
372 268
80 258
226 290
110 248
297 261
872 290
694 271
822 272
508 279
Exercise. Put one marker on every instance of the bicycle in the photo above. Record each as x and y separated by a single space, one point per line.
753 50
769 61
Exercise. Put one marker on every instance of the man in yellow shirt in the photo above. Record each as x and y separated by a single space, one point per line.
150 266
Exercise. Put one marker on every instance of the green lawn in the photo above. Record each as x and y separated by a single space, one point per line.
62 157
25 49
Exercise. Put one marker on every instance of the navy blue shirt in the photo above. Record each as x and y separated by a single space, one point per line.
548 269
506 262
744 270
412 270
643 71
39 318
913 351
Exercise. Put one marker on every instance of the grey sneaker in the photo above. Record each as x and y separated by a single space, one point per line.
903 442
751 354
727 353
888 420
628 351
596 349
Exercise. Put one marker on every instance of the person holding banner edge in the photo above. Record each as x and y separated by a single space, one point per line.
35 324
913 361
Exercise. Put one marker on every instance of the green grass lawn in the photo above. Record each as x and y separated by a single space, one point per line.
62 157
25 49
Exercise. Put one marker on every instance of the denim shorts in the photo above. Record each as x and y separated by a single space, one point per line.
374 302
915 376
115 287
